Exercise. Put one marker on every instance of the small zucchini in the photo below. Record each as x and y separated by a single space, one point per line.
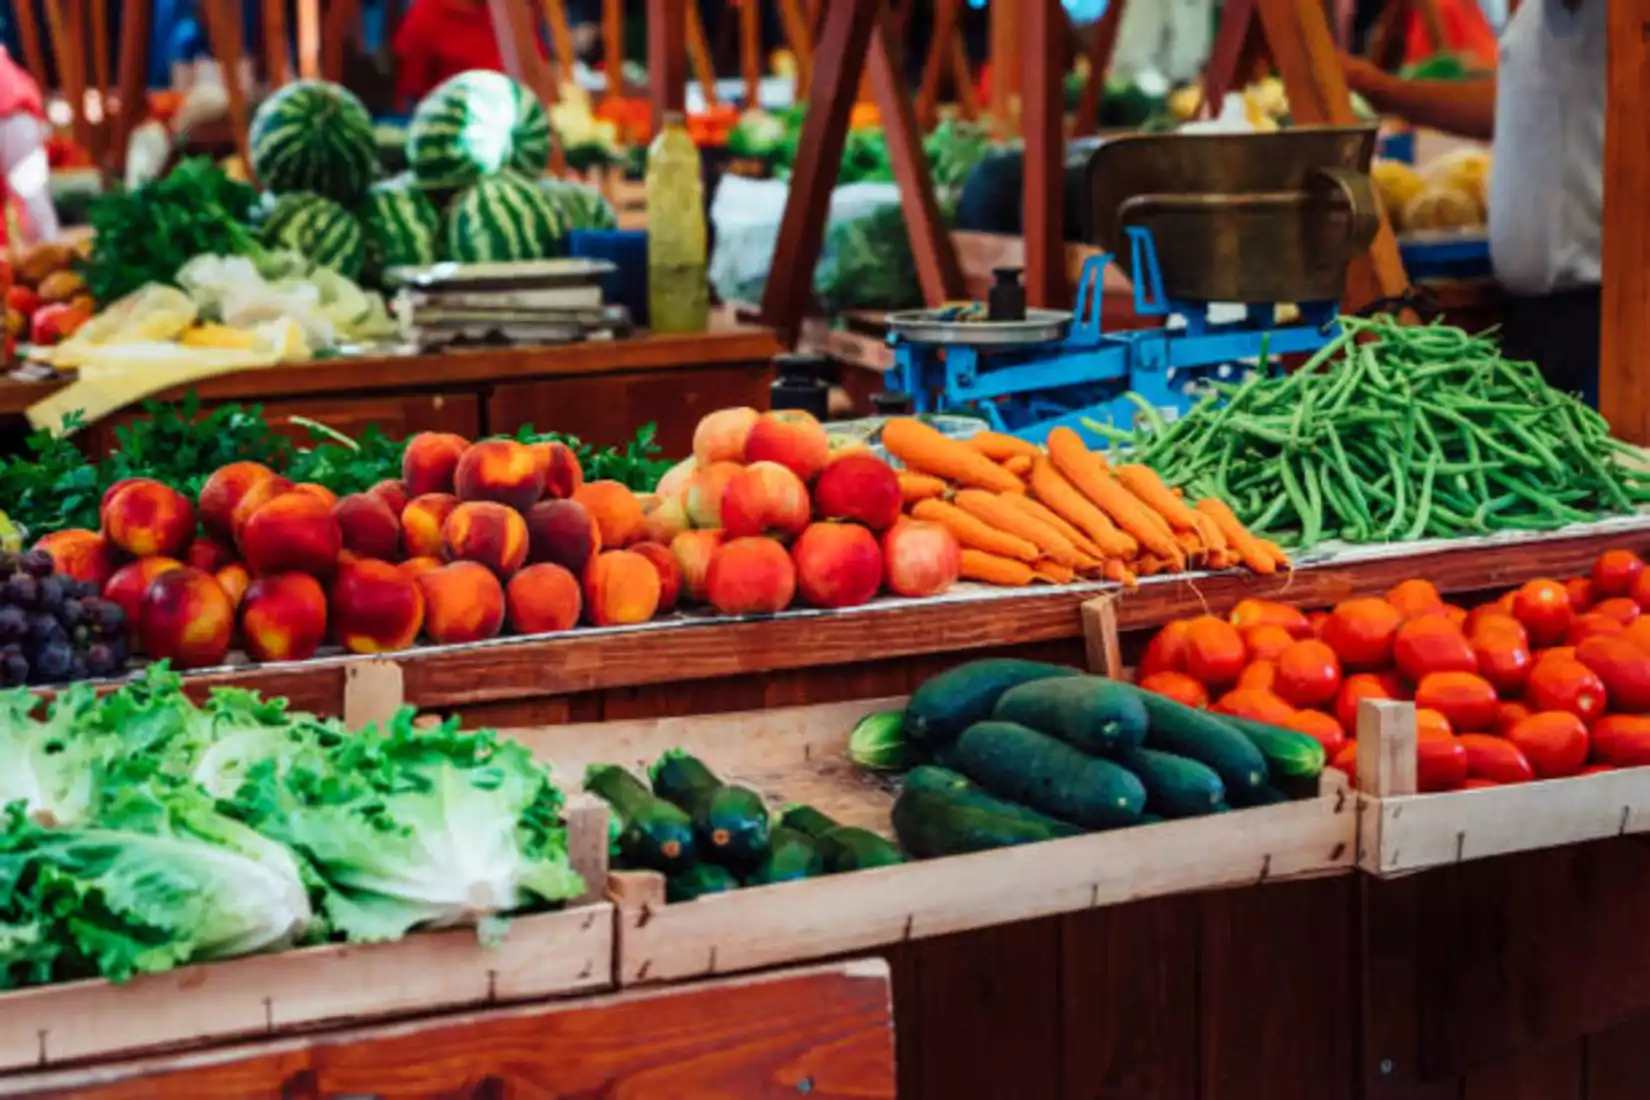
731 822
846 848
807 820
699 880
791 856
652 832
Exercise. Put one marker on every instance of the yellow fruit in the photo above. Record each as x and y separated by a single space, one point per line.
218 336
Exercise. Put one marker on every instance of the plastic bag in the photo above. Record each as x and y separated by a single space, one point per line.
231 289
153 312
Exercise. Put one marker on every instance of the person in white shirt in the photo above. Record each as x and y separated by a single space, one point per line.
1543 113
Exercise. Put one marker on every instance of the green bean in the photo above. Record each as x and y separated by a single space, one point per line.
1423 504
1297 498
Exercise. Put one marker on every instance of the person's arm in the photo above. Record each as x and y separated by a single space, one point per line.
28 174
1465 108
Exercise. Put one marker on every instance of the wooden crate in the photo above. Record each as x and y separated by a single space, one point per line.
1401 832
545 955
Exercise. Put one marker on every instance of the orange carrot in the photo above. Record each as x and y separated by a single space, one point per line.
977 565
1018 465
1189 542
1144 483
1000 448
1278 556
993 509
1118 573
1047 569
1061 496
1039 511
972 532
1077 464
1250 550
927 451
915 487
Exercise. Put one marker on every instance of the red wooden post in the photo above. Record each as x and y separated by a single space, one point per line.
1043 118
666 57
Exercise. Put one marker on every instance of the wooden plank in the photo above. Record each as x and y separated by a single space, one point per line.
28 34
613 46
799 39
134 56
1617 1068
1386 747
1105 657
1548 1073
1043 120
1625 285
698 49
309 39
1005 69
561 39
277 61
750 50
340 25
518 47
224 29
373 691
667 57
935 65
1102 45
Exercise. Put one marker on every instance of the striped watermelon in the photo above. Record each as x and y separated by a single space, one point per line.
475 124
401 224
317 137
318 229
503 218
582 206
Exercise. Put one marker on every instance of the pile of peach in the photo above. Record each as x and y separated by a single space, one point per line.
1550 680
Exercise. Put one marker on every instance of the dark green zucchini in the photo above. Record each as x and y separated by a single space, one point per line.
699 880
1175 786
949 703
846 848
1266 795
1047 774
807 820
932 823
1207 738
1086 712
933 778
731 822
653 833
791 856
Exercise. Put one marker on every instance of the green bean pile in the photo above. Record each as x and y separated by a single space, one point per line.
1409 432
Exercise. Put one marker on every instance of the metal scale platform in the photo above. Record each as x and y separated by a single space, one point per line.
1258 220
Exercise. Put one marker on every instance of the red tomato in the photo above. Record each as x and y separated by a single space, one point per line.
1347 760
1580 591
1431 644
1504 602
1179 687
1440 765
1266 641
1544 609
1214 652
1553 741
1490 619
1255 704
1248 614
1503 658
1475 784
1641 590
1318 621
1595 769
1309 674
1566 685
1414 598
1621 608
1466 699
1166 652
1259 674
1431 724
1508 715
1361 631
1557 653
1318 725
1622 667
1591 625
1495 758
1638 632
1456 615
1621 740
1358 687
1615 572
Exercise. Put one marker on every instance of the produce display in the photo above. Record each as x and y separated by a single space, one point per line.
142 832
1550 680
1407 433
1453 192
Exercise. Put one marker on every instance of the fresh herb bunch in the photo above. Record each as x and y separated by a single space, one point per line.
145 235
342 464
638 464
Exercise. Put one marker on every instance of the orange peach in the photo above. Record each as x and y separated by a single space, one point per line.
705 490
79 553
617 512
562 472
284 617
223 490
113 491
208 554
920 558
675 481
319 492
417 567
421 524
720 436
375 607
663 519
543 599
368 527
128 584
837 565
765 498
393 493
487 532
463 602
256 496
561 531
430 460
792 438
148 518
751 576
184 617
294 533
670 574
858 487
621 588
693 551
499 470
234 580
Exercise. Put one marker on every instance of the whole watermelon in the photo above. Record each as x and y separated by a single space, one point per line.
401 224
318 229
503 218
582 206
316 137
475 124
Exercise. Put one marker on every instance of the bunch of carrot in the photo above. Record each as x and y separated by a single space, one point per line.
1025 513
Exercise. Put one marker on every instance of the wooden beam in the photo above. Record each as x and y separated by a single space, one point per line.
799 37
561 39
613 45
1626 233
1233 39
843 44
931 247
309 39
1045 177
750 49
1005 68
698 51
342 25
1102 45
134 57
100 42
28 34
277 61
223 30
968 100
938 60
518 47
68 53
666 57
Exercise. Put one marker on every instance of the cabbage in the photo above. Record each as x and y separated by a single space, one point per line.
45 766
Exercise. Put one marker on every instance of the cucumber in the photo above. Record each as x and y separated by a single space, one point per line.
1208 739
806 820
1175 786
699 880
963 789
1289 754
949 703
682 778
791 856
731 822
846 848
931 823
652 832
1047 774
1086 712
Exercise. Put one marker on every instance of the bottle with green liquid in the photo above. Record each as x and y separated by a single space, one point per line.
678 295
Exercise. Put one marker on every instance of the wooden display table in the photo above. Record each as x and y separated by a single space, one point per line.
600 390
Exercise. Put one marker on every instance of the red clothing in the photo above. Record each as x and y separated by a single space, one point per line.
19 95
1466 33
442 38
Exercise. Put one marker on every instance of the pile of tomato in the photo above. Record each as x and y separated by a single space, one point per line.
1550 680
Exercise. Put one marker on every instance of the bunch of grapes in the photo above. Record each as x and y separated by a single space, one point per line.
54 628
